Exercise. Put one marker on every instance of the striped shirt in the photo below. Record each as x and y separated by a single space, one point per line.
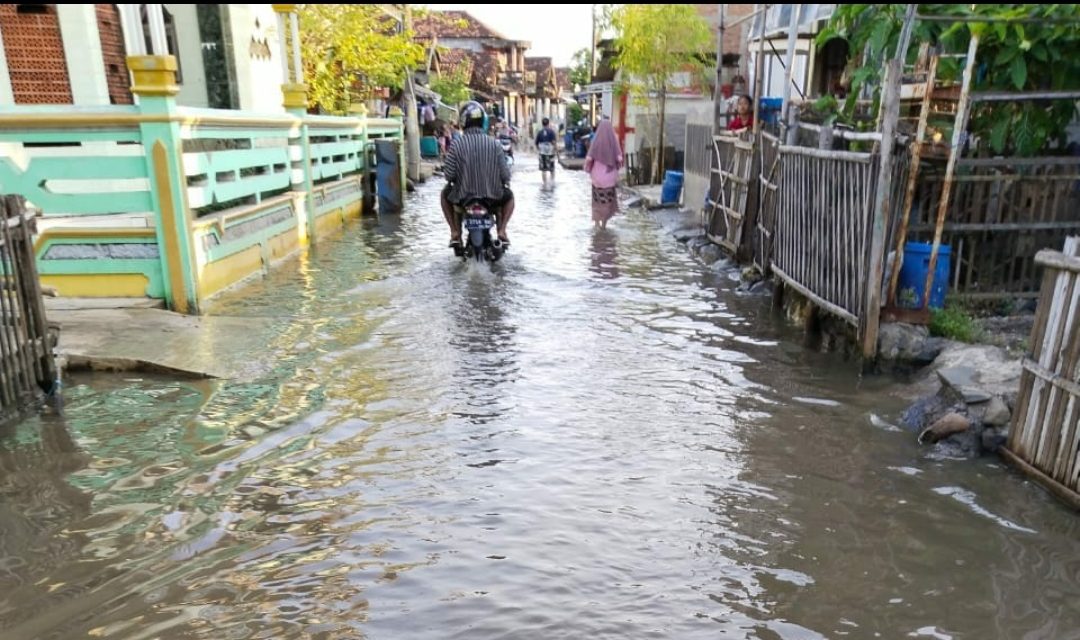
477 167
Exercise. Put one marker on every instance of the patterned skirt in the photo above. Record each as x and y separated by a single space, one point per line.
605 203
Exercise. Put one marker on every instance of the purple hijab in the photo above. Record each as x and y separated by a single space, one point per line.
605 146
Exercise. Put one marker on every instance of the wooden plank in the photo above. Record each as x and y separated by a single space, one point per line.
1068 496
1010 162
813 152
21 358
813 297
871 305
1056 260
963 227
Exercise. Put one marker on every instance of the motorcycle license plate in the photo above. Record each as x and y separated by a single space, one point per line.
478 223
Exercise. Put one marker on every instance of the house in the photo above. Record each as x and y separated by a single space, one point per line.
543 89
499 62
736 20
815 71
227 55
167 149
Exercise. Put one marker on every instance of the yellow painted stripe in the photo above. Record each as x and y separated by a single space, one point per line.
98 285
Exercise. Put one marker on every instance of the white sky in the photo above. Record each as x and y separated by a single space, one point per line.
555 30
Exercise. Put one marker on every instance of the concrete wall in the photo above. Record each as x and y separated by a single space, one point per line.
256 54
696 179
82 52
189 55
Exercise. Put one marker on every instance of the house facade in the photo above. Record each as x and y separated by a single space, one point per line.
227 55
499 73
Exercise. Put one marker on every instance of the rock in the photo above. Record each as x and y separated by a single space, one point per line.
750 275
997 413
697 244
905 342
635 202
254 432
710 253
764 287
992 440
988 369
723 264
947 425
687 233
962 381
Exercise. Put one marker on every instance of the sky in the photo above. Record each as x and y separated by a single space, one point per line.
555 30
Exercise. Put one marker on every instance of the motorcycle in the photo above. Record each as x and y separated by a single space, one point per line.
507 144
480 243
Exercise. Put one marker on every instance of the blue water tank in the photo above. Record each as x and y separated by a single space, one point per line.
913 274
672 187
429 147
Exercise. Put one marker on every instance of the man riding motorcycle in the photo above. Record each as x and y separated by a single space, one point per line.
476 168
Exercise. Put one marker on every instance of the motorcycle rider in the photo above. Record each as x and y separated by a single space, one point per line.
547 134
476 168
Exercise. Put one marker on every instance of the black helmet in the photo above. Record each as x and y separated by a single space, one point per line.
472 115
545 122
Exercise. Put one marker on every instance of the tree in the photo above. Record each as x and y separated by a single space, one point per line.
574 114
580 74
352 50
653 42
1013 56
453 87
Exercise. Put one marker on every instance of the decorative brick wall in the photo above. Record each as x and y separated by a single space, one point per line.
35 54
113 53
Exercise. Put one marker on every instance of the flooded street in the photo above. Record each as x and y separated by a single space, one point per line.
598 438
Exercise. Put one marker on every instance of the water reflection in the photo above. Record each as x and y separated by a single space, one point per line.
604 254
594 439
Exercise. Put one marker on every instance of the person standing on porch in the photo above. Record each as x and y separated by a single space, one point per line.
603 163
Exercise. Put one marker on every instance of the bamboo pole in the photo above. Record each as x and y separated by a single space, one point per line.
959 126
913 181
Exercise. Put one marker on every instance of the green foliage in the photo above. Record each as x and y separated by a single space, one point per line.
655 41
954 322
453 87
579 68
574 113
1012 56
828 108
350 50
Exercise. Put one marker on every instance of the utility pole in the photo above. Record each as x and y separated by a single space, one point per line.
412 125
592 69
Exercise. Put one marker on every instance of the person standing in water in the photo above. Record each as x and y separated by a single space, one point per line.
603 163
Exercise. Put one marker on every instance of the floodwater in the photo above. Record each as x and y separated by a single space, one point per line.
597 438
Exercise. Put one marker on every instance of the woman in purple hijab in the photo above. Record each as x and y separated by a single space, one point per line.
603 164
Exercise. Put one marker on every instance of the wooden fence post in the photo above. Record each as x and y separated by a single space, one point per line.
890 105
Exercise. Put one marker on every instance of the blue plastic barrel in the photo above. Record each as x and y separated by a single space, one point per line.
913 274
672 187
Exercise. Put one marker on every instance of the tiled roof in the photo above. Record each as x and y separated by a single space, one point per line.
453 24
